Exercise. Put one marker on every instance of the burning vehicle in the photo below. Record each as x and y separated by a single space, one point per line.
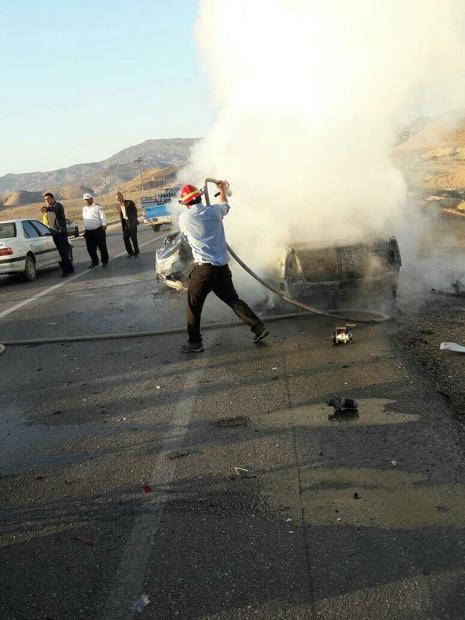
306 270
174 261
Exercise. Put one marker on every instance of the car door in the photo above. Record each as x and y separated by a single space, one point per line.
49 252
39 245
33 241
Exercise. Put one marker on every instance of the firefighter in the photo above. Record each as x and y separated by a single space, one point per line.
203 227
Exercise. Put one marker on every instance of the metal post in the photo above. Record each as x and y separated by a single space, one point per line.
139 161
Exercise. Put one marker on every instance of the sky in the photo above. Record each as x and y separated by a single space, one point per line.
84 79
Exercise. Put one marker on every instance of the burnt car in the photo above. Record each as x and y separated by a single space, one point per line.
372 268
324 272
174 261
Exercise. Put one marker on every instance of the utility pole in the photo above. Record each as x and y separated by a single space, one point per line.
139 161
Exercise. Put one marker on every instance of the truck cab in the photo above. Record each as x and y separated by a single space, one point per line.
155 208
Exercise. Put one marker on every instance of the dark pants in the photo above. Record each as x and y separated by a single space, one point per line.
130 235
97 239
65 251
204 279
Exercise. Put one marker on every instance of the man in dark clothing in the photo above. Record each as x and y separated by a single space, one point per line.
129 222
60 233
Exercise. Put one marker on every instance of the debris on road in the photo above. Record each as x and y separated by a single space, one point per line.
343 404
344 408
242 472
457 287
356 495
146 488
452 346
140 604
238 420
85 541
343 335
178 454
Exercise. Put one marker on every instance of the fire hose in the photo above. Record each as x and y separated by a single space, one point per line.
370 316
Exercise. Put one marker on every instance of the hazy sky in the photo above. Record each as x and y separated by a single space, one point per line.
83 79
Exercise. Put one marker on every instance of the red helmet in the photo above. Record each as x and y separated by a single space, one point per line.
189 193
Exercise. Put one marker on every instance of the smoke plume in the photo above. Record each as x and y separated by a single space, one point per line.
310 98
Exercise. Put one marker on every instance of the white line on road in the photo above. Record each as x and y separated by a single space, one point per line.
65 281
129 579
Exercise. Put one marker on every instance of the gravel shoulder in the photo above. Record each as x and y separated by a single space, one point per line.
439 319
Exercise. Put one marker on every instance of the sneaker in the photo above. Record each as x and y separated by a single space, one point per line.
260 334
192 347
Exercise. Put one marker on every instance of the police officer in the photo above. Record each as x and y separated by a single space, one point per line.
95 225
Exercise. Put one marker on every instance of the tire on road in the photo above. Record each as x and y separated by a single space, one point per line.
156 227
30 268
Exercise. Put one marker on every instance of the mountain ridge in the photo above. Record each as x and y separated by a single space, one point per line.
101 175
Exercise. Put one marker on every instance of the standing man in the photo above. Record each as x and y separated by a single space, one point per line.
203 228
129 222
95 225
59 232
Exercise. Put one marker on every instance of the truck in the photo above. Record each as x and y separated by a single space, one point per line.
155 208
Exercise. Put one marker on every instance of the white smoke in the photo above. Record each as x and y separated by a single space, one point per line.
310 98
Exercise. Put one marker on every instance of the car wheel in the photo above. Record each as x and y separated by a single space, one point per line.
156 227
30 269
76 232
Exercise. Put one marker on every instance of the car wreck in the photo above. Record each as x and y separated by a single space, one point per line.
310 269
174 261
305 270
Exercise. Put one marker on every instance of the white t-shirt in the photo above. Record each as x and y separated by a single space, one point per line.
93 216
203 228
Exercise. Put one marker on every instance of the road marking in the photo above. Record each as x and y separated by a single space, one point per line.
128 582
65 281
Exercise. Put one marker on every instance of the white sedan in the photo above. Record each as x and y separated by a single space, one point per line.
25 246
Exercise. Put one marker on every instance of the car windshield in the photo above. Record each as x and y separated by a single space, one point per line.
7 230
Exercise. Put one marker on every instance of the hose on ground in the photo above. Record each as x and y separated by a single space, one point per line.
123 335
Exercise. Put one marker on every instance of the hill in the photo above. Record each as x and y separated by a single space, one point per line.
433 158
21 198
102 176
153 179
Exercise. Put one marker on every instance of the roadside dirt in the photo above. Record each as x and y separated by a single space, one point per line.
441 318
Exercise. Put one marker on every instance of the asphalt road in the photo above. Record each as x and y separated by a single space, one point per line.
118 465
